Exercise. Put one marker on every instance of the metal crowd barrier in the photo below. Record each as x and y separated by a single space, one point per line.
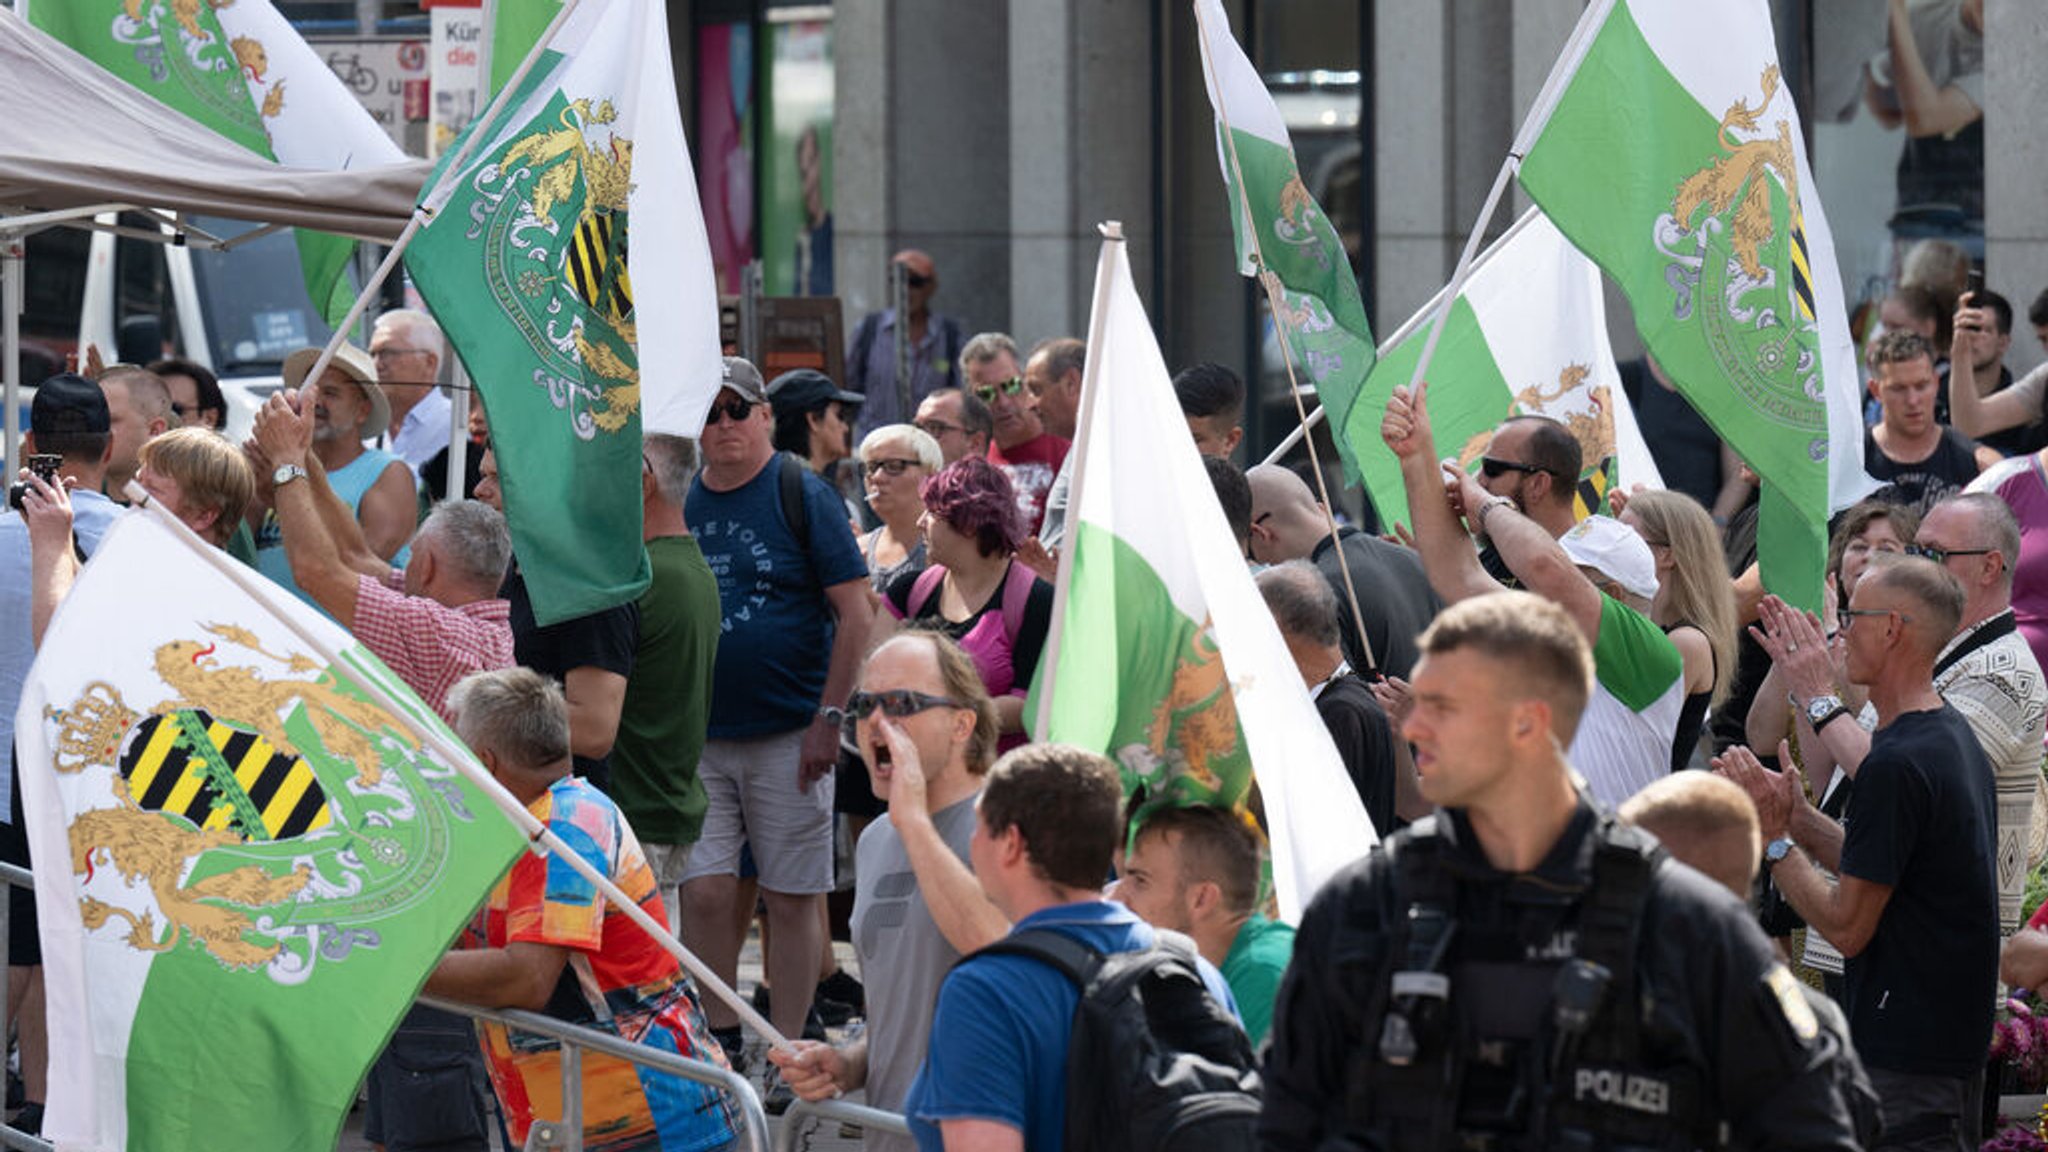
846 1112
566 1135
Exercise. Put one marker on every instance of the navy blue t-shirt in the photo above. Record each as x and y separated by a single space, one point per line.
775 645
1921 821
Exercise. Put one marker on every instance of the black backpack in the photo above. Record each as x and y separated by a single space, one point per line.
1154 1063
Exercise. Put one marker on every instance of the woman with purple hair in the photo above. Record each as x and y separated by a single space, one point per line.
975 590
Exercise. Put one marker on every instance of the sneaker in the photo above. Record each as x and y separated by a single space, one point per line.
776 1096
841 987
29 1119
734 1042
832 1012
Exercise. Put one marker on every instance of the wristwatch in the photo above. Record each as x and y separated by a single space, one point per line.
1777 849
833 716
1822 709
285 474
1487 508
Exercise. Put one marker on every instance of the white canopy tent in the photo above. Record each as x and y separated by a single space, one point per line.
75 142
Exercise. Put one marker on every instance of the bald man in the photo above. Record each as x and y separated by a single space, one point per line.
935 342
1708 824
1394 595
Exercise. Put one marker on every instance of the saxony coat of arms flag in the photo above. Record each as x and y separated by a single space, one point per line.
1167 659
1527 336
245 865
566 260
1673 157
243 71
1282 233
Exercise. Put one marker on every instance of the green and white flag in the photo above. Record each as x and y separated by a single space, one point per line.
1673 157
242 70
574 216
1527 336
245 867
514 27
1167 659
1281 231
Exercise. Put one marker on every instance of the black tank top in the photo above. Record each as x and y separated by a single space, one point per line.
1692 716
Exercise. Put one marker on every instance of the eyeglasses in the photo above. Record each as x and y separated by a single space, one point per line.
381 354
892 467
1941 555
1849 615
938 427
1011 387
896 703
916 281
734 410
1495 467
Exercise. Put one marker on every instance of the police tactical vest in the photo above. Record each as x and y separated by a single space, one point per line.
1474 1036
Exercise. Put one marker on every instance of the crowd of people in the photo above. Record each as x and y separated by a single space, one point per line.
814 717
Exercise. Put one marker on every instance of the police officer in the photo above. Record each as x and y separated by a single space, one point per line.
1519 971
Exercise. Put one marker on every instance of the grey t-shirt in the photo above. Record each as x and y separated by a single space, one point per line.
903 957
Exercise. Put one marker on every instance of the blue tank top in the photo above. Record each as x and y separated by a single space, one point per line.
349 482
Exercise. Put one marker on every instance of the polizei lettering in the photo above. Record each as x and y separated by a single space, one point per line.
1639 1093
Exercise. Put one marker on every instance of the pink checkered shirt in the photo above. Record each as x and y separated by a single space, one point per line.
428 644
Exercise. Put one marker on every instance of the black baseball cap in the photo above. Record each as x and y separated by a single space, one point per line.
68 404
803 389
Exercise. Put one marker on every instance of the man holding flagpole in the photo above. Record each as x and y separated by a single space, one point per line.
551 943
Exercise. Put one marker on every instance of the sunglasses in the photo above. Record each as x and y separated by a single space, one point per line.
896 703
892 467
1941 555
1011 387
1849 615
916 281
734 410
1495 468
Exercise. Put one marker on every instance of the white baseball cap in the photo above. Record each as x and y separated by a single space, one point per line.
1613 549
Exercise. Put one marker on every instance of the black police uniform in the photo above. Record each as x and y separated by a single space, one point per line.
1437 1002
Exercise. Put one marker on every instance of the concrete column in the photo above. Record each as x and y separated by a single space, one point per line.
1444 119
921 153
1203 317
2015 155
1080 153
1540 30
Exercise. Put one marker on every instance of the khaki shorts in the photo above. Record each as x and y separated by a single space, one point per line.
754 799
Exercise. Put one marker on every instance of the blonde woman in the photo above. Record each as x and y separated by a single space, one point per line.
1695 603
895 461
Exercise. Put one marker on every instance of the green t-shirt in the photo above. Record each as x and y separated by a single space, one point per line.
668 697
1257 960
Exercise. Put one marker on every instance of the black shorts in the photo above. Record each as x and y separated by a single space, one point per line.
24 944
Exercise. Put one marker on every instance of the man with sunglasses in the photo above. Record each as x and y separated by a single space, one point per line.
935 341
1915 911
1020 446
796 619
927 730
1600 572
1534 462
1986 672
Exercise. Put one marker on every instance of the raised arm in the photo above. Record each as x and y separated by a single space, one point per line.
285 438
1926 109
1532 554
1969 412
1446 549
53 566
